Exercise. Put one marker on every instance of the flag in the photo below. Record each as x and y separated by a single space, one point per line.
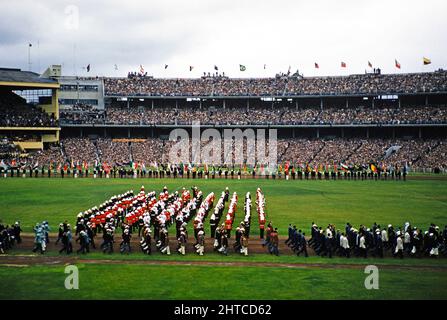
317 66
426 61
370 64
88 68
288 71
242 67
397 64
141 69
166 66
343 64
116 67
190 68
216 68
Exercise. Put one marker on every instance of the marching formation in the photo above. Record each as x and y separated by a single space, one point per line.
149 216
375 241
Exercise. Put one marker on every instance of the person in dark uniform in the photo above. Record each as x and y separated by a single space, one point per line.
91 235
302 246
227 195
224 243
60 233
16 232
140 225
65 243
217 238
378 250
125 244
290 234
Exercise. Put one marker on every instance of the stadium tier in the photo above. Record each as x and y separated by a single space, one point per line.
220 86
393 120
302 154
145 116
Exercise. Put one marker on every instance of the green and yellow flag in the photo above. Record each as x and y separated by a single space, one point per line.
426 61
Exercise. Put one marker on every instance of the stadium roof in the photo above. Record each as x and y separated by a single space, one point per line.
18 79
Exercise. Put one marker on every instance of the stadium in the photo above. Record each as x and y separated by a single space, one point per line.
347 171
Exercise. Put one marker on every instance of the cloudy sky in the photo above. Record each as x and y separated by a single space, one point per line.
226 33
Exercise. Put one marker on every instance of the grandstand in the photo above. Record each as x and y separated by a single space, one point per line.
29 112
351 120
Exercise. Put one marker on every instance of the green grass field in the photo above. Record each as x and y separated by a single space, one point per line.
223 282
300 202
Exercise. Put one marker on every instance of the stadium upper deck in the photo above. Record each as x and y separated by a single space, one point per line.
280 86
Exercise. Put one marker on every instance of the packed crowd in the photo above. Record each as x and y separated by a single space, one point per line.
417 154
79 149
282 116
53 153
81 117
147 152
407 115
280 85
15 112
113 152
148 86
414 154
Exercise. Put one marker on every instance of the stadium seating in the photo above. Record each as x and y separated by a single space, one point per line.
15 112
280 85
417 154
283 116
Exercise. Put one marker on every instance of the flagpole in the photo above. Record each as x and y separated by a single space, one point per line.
29 56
